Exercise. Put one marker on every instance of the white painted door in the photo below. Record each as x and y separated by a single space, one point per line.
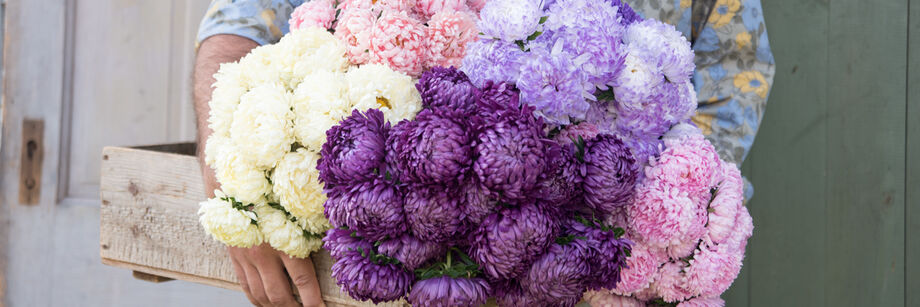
95 73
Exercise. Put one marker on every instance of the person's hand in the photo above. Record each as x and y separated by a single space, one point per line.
263 273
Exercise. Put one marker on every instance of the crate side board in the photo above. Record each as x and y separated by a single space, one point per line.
149 223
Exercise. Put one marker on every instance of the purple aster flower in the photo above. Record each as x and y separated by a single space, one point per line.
626 13
603 115
509 239
375 210
363 279
497 99
445 291
608 253
664 46
411 251
334 208
554 84
670 104
610 173
340 241
643 148
509 155
434 213
446 88
510 293
560 183
510 20
476 201
354 148
493 60
434 148
558 276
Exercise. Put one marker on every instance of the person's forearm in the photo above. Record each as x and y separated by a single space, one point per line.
211 53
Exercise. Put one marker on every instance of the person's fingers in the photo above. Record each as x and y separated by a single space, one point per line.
240 273
256 288
303 276
274 280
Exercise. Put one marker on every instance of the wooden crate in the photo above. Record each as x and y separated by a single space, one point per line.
149 222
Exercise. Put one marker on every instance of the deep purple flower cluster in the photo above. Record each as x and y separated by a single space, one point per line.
477 175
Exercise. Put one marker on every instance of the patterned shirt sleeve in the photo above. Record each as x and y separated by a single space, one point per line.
734 72
263 21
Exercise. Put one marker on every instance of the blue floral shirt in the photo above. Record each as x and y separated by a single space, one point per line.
734 64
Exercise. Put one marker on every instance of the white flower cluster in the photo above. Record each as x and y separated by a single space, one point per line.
269 114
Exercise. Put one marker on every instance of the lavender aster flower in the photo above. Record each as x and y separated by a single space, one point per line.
610 173
670 104
662 43
590 34
354 148
554 84
340 241
434 148
445 291
558 277
492 60
507 240
411 251
375 210
509 155
446 88
434 213
363 279
510 20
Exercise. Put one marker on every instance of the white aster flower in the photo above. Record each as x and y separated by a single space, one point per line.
285 235
238 177
262 66
263 125
319 104
309 50
229 86
227 224
664 45
296 183
375 86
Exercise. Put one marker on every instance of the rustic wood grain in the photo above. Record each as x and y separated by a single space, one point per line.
866 128
912 185
149 223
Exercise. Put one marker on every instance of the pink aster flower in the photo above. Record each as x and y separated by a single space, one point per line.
663 215
428 8
641 268
607 299
671 283
724 207
713 269
448 34
689 162
476 5
703 302
376 5
317 13
398 41
354 30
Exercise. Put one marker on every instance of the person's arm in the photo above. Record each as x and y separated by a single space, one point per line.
265 274
734 72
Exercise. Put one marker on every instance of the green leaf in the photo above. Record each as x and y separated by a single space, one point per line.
543 19
534 35
605 95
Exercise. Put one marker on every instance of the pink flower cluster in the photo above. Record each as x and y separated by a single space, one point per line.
409 36
689 225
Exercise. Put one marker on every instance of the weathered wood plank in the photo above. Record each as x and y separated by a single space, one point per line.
786 253
865 146
912 184
149 223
